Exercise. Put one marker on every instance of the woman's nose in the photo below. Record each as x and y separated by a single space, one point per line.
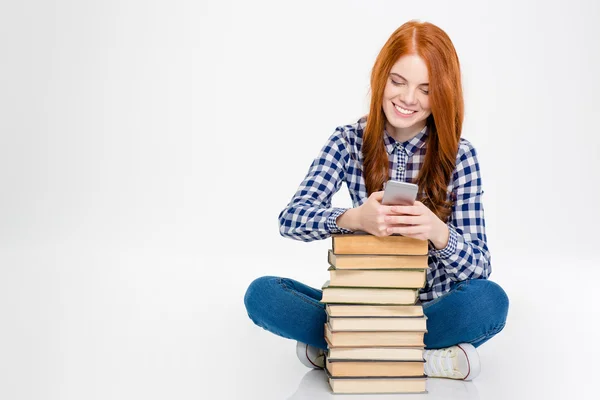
409 97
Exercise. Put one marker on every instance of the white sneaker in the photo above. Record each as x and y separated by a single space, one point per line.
455 362
310 356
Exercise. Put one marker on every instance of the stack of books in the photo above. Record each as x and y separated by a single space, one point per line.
375 323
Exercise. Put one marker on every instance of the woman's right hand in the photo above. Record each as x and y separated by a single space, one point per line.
371 215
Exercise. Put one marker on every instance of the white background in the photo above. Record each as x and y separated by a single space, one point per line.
147 148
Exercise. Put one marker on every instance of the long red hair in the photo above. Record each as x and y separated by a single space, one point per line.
444 125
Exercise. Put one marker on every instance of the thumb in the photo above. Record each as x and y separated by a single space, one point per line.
377 195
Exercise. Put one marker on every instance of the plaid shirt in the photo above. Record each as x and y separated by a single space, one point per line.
309 215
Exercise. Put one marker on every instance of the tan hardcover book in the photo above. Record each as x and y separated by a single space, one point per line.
393 278
364 385
374 310
368 295
374 339
378 324
375 353
367 261
352 368
359 243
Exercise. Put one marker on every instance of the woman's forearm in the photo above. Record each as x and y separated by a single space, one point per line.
349 220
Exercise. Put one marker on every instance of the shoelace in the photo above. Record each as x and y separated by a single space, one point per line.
439 363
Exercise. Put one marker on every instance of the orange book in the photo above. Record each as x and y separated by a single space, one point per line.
364 243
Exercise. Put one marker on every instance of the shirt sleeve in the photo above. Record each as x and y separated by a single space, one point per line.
309 215
466 256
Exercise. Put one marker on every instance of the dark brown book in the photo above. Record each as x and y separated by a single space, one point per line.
364 243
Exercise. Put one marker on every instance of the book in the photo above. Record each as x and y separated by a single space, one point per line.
374 310
364 243
375 261
368 295
352 368
377 385
375 353
355 324
394 278
374 339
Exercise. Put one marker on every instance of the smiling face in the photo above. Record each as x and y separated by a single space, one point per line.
406 98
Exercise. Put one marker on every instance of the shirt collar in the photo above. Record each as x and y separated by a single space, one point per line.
410 146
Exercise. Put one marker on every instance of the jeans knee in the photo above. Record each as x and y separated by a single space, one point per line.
500 299
257 290
494 300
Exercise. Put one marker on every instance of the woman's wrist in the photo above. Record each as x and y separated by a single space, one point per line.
349 220
440 241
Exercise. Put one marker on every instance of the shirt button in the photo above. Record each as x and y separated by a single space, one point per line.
401 168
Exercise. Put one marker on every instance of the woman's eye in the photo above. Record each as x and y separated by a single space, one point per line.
397 83
425 91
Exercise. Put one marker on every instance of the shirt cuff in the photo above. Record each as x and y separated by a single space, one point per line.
450 247
331 223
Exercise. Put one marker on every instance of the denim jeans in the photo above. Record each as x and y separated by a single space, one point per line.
473 311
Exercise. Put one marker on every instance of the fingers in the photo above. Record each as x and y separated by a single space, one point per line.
403 219
406 230
405 210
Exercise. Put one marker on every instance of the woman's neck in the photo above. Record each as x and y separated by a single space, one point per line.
404 134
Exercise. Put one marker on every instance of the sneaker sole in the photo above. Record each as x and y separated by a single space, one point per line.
472 360
302 353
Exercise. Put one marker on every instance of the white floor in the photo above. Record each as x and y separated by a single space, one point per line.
78 323
548 350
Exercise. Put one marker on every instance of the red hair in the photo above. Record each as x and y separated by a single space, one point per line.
444 125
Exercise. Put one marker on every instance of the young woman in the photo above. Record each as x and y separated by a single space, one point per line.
412 133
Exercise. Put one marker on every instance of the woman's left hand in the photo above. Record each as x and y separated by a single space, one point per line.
419 222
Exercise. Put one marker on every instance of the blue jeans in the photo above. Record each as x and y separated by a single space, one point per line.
473 311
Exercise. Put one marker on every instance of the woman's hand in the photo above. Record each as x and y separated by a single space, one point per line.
416 221
371 215
419 222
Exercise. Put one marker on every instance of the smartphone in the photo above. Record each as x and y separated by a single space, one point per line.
398 193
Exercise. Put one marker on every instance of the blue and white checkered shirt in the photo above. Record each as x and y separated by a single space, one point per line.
309 215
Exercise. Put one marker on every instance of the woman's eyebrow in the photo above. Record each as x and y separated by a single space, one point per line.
401 77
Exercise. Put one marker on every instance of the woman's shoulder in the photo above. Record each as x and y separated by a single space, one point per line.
353 131
466 150
467 165
350 135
